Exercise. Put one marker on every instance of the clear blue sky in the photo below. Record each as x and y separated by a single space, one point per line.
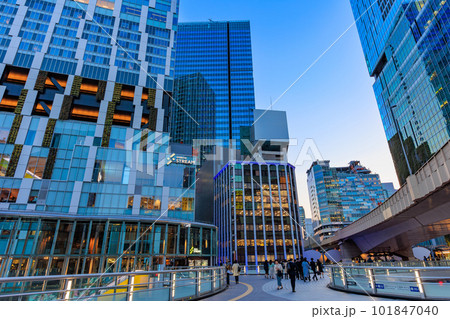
333 103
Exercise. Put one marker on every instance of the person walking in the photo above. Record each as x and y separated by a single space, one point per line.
320 268
278 268
285 273
236 271
299 268
271 270
266 269
306 267
229 272
292 272
314 269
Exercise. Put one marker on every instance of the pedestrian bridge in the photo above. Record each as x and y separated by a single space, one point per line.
417 212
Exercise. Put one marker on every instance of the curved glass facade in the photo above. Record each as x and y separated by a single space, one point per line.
256 210
47 246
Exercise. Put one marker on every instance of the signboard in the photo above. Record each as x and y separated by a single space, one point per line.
179 159
379 286
414 289
194 251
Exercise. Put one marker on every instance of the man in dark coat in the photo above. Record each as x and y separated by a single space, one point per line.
298 263
266 268
292 271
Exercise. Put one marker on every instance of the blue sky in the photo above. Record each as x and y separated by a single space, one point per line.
333 103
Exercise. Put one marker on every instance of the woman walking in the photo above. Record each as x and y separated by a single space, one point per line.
236 271
271 270
320 268
285 272
306 269
279 272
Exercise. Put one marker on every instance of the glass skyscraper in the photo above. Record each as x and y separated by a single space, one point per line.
406 46
341 195
86 165
221 53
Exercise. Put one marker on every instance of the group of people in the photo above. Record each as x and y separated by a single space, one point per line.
299 269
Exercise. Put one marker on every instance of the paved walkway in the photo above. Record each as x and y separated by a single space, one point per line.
258 288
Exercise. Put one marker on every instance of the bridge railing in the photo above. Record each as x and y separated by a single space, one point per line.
186 284
421 283
417 263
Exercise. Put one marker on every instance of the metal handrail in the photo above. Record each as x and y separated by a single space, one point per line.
421 284
212 276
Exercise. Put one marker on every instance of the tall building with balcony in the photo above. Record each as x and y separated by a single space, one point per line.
89 182
406 46
341 195
221 54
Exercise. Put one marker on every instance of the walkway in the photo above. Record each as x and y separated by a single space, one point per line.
257 288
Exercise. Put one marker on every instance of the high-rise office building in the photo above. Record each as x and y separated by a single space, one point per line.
256 210
255 201
220 53
406 46
86 164
341 195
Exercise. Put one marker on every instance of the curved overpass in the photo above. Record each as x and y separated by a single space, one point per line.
417 212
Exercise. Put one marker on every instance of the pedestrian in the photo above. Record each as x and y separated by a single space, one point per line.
285 273
229 272
299 268
271 270
314 269
320 268
278 268
306 267
236 271
266 269
292 271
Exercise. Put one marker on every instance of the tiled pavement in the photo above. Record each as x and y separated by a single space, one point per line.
266 290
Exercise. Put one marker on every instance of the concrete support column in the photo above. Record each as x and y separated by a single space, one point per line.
349 250
406 254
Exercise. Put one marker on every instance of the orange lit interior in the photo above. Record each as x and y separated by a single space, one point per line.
144 95
17 76
127 93
144 120
89 87
85 113
122 118
61 81
9 103
39 110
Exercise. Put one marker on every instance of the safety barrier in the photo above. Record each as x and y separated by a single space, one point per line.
419 283
185 284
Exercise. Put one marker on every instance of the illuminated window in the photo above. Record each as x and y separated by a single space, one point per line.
35 167
105 4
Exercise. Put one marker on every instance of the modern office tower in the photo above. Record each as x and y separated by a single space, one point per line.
341 195
86 165
406 46
255 200
220 53
256 211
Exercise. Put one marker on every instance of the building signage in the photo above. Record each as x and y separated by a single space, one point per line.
178 159
414 289
379 286
194 251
